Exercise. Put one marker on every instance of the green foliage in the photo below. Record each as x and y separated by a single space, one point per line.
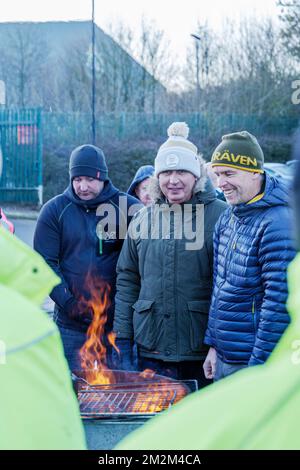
276 148
55 172
123 159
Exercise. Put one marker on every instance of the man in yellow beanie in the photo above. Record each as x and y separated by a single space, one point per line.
252 249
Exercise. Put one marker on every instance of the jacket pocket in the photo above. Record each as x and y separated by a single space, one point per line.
198 311
144 323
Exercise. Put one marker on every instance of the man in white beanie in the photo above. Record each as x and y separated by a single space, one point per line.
164 282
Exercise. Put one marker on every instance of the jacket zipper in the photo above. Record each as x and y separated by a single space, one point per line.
176 302
253 313
232 244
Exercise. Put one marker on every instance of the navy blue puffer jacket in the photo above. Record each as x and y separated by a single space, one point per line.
252 249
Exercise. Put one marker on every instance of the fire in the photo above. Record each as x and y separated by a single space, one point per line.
147 374
93 352
158 394
146 392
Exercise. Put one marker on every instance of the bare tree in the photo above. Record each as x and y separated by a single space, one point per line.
146 64
290 20
26 63
200 60
153 53
75 79
122 65
244 70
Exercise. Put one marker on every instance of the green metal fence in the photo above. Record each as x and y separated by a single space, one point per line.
21 138
70 129
21 149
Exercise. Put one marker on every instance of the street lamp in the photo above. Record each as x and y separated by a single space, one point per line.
197 38
93 74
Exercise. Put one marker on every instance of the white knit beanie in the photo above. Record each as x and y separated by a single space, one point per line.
178 153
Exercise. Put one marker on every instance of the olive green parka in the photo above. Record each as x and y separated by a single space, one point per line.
164 279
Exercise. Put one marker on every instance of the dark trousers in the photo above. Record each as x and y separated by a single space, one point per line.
184 370
72 342
223 369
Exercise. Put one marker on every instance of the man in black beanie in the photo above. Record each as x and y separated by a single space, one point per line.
80 235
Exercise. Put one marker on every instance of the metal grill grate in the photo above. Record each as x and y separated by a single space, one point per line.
104 403
131 395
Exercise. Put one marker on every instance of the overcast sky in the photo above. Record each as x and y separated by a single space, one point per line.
177 18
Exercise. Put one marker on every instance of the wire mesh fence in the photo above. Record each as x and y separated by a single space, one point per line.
30 139
75 128
21 151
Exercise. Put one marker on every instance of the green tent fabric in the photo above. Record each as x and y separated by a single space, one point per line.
256 408
38 407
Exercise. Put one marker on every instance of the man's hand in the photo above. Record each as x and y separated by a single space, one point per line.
123 360
78 311
209 365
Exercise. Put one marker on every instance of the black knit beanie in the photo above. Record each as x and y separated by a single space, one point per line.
88 160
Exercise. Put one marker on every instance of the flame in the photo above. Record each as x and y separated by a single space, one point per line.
147 374
93 352
159 396
152 393
156 393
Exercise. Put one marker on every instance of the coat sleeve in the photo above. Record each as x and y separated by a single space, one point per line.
276 251
128 287
47 241
210 326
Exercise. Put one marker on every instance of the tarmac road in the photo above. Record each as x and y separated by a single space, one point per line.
24 229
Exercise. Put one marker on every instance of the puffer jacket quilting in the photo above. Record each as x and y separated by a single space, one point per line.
252 249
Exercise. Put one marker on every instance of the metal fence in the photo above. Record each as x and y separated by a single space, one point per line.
21 150
21 138
75 128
